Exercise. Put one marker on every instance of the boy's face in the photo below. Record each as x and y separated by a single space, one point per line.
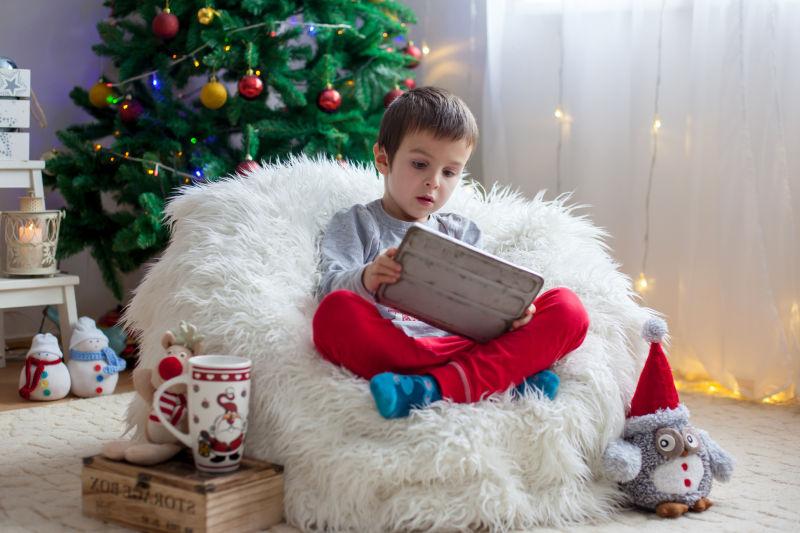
422 176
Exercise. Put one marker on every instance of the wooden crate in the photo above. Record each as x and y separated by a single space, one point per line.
174 497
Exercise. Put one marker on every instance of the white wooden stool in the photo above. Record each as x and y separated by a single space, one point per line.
26 292
22 175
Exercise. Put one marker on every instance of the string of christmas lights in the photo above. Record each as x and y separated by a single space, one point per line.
283 24
643 283
157 165
559 112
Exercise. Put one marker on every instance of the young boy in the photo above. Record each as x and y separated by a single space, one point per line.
425 139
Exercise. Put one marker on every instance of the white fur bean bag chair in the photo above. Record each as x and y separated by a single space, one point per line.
242 267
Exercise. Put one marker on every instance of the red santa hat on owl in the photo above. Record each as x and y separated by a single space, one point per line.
656 388
229 405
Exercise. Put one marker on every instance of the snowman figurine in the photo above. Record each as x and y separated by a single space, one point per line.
93 366
45 376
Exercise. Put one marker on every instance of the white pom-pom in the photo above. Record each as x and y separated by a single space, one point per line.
654 330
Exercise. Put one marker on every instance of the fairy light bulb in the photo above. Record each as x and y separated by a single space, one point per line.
559 113
641 283
656 124
425 49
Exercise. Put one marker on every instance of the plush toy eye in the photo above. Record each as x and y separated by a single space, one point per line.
666 443
669 442
691 440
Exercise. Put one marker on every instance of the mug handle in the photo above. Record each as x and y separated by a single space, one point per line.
180 435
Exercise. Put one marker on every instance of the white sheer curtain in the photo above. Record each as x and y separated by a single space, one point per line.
723 258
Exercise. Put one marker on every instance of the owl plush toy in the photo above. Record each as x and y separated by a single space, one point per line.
661 462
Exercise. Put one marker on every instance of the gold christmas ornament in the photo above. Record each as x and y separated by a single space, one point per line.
213 95
99 94
205 15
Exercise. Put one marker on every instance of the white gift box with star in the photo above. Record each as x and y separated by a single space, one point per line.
15 93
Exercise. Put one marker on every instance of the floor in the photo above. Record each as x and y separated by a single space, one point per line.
43 448
9 384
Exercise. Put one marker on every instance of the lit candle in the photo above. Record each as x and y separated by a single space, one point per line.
30 257
30 233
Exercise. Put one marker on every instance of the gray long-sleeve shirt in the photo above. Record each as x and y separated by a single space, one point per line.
356 236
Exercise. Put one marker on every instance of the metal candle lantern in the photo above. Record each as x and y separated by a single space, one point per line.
31 237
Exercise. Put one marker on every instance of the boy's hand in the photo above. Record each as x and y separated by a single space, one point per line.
383 270
524 319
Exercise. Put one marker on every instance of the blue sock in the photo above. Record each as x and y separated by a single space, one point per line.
546 381
396 394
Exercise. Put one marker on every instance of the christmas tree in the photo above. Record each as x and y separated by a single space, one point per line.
201 89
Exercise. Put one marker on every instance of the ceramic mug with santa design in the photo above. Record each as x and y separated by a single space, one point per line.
218 399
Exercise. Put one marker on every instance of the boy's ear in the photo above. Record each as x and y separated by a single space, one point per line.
381 159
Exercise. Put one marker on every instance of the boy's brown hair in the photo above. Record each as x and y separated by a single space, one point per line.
430 109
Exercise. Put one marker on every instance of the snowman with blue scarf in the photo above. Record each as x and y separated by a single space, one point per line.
93 366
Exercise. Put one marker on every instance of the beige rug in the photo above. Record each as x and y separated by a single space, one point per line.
42 449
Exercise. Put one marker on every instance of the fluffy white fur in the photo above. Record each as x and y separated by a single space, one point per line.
241 266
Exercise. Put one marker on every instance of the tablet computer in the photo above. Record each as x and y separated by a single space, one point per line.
457 287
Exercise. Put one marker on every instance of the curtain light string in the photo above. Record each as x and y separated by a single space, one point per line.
642 282
559 112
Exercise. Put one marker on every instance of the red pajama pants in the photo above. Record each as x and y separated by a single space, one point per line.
349 331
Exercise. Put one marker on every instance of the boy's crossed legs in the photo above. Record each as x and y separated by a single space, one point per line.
349 331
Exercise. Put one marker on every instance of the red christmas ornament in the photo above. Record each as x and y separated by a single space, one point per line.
247 166
329 99
410 83
130 111
391 96
250 86
165 25
414 53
